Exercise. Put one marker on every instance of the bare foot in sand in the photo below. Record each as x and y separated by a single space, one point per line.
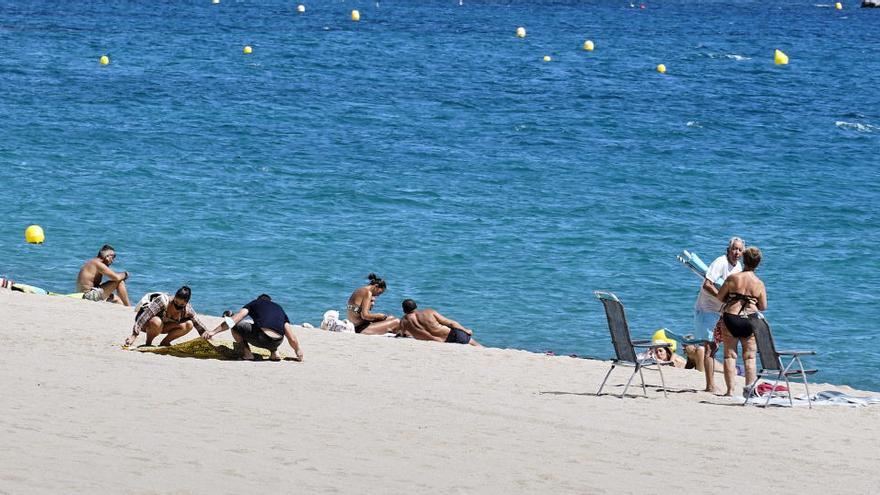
246 354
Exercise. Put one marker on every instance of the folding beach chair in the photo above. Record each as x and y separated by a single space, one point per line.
624 346
773 367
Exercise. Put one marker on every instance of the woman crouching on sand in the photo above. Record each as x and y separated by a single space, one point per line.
744 298
361 302
159 314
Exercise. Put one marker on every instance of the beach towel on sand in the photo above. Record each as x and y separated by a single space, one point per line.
200 348
826 398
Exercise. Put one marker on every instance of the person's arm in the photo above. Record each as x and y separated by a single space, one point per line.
237 317
110 274
721 295
709 286
156 306
762 298
452 323
197 322
294 343
364 302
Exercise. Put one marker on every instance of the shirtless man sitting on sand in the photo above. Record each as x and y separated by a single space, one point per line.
92 272
428 324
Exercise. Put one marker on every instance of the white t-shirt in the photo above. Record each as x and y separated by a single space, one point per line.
706 302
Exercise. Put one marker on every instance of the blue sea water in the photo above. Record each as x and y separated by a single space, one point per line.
430 145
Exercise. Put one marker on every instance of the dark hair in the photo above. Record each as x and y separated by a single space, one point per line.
375 280
264 297
751 258
104 249
183 293
408 306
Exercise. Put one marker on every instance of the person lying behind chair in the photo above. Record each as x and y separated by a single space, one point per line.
271 325
164 315
663 355
428 324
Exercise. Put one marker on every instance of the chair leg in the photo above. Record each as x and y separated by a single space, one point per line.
806 386
628 382
751 388
773 390
642 376
662 380
605 380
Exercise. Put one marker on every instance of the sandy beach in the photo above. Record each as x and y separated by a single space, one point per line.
377 415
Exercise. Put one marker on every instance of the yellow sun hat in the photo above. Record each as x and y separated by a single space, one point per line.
661 336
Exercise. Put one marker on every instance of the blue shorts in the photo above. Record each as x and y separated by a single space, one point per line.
704 325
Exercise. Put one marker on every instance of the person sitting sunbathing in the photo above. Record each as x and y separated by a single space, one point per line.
268 330
164 315
88 281
361 302
428 324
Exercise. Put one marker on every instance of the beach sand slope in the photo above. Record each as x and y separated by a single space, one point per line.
378 415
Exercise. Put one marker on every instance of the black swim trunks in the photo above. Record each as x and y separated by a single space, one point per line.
457 336
742 326
257 337
361 326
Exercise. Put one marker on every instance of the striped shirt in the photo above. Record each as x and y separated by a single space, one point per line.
158 307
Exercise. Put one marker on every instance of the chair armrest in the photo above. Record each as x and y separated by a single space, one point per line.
641 341
652 346
796 353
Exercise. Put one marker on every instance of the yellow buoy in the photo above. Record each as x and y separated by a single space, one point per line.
300 8
589 46
661 69
547 58
780 58
838 6
355 15
520 32
247 50
34 234
105 60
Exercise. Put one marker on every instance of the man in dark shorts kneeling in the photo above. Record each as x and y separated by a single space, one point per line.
271 325
428 324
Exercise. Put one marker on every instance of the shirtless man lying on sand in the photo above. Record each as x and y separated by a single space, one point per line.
92 272
428 324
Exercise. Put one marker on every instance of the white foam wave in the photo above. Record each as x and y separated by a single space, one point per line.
694 123
738 58
856 126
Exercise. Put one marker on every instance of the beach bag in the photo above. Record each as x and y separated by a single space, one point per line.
332 323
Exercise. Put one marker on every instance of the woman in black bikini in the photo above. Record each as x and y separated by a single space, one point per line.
744 296
361 302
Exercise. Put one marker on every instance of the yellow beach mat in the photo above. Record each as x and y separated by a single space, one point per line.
200 348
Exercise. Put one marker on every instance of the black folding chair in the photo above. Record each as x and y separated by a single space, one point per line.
625 347
773 367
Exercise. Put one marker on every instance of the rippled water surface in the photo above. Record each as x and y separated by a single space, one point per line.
427 143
